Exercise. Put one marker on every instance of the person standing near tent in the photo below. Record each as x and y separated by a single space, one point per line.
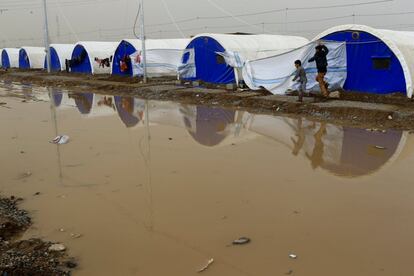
301 78
321 60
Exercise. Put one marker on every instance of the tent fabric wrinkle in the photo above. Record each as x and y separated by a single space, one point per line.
211 51
123 66
159 62
276 73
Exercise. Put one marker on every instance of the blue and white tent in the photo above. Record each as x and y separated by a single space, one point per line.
58 54
10 58
32 57
163 56
218 55
379 61
86 57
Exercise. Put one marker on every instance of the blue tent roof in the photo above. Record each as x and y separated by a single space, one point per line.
5 61
84 65
125 49
210 67
372 65
24 62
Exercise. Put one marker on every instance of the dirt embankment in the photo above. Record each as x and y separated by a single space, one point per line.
27 257
348 109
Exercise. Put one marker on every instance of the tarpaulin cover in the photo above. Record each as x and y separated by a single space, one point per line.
365 45
128 47
32 57
159 62
10 58
212 68
92 50
276 73
58 54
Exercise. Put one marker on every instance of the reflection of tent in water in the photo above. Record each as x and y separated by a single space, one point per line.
208 126
130 110
60 99
83 102
340 150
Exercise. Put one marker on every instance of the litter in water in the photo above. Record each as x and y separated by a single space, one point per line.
293 256
241 241
204 268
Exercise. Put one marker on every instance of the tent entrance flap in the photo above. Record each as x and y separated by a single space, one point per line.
372 65
54 60
80 62
5 61
210 66
24 61
121 62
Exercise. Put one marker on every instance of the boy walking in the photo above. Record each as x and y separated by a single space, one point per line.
320 57
301 78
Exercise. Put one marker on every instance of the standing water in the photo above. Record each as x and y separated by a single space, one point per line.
160 188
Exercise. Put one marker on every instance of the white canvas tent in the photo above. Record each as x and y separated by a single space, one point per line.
163 56
86 53
58 54
374 57
275 73
10 58
32 57
217 55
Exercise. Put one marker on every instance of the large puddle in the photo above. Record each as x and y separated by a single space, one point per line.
159 188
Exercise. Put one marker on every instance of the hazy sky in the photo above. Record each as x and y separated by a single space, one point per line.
21 21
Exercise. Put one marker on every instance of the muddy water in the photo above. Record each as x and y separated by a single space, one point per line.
158 188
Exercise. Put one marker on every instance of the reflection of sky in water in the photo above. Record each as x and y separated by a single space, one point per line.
342 151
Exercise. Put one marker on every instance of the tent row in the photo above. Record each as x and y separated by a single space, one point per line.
362 59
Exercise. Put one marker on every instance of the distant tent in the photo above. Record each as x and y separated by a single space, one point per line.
122 63
88 57
10 58
58 54
32 57
210 50
379 61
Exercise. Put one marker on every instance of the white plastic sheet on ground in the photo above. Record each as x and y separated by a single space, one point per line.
276 73
160 62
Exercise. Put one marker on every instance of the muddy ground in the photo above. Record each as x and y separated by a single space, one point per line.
349 109
27 257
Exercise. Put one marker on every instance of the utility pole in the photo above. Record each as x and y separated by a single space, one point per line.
144 50
47 46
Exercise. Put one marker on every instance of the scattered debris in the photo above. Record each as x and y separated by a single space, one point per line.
293 256
60 140
241 241
380 147
390 117
57 247
36 194
290 272
204 268
75 236
170 139
22 152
